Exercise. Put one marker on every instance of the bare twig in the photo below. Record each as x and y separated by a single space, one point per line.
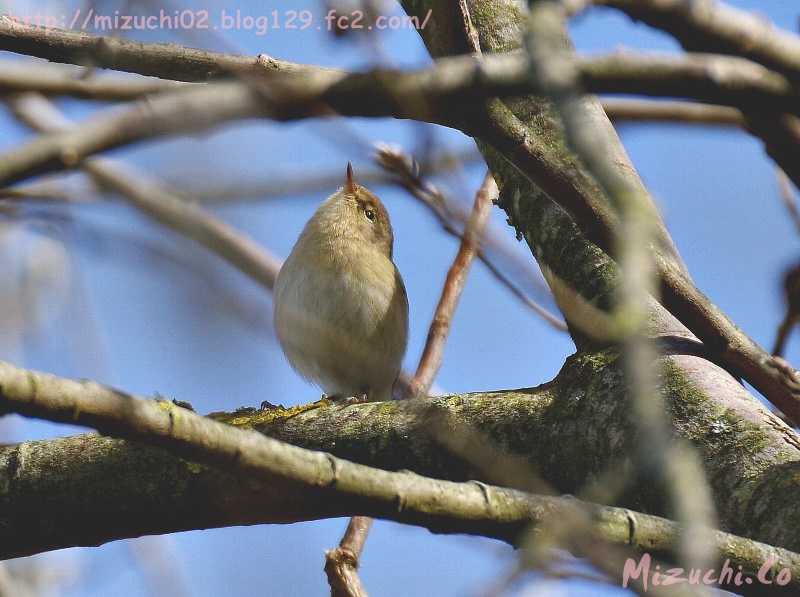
17 76
341 563
212 190
405 171
148 197
432 354
638 110
791 295
711 26
787 196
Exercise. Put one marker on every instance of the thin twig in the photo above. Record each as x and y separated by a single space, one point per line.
341 563
432 354
17 76
791 295
406 173
150 198
711 26
640 110
212 190
787 196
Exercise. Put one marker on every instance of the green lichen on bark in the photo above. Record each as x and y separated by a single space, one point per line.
755 462
570 431
573 430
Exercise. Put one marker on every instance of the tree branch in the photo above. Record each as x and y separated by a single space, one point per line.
255 479
16 76
56 81
166 61
423 95
635 110
341 563
154 201
406 172
712 26
433 352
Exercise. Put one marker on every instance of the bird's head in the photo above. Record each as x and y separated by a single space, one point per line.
354 213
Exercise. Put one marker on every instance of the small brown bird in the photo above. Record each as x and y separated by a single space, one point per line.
341 311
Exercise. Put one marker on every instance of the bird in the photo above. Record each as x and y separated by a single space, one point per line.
340 305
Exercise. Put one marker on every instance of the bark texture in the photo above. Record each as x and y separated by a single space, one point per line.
89 489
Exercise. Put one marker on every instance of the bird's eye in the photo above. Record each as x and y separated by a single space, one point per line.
370 214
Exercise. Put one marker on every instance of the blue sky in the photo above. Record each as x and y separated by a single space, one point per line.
120 305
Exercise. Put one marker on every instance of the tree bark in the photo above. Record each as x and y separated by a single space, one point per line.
89 489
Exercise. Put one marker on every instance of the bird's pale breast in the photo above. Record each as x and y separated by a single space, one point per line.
343 323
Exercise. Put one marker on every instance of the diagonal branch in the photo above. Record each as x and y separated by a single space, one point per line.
433 352
157 203
713 26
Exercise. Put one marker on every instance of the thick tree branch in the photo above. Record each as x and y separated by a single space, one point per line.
254 479
680 472
59 80
55 81
426 95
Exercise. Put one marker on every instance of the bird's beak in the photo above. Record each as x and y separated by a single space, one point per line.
350 185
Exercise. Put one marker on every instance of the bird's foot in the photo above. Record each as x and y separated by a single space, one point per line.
360 399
